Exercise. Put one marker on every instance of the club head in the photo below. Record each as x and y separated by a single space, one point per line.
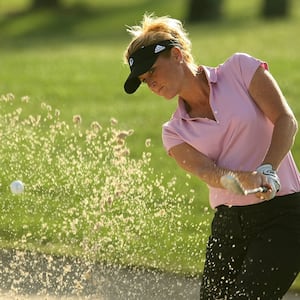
231 183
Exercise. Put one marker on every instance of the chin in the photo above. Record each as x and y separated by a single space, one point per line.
167 94
169 97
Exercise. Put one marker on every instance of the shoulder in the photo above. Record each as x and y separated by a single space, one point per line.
242 66
240 59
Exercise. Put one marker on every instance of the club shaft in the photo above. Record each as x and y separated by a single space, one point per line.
260 189
231 183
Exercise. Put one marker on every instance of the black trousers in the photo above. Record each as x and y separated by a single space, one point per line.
253 251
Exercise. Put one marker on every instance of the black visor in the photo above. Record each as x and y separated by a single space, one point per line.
142 60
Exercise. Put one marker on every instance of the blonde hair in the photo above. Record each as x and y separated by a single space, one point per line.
154 29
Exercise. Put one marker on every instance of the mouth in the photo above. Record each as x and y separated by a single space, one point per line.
160 90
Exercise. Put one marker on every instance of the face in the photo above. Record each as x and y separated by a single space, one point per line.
164 77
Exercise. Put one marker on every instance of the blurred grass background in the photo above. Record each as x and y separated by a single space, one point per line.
72 59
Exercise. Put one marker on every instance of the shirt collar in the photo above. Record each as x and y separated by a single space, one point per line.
211 73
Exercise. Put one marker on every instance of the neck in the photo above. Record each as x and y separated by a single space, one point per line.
196 91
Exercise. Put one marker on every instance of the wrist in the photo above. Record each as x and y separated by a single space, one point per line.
265 168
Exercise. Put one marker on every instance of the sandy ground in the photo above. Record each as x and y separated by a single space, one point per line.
24 276
192 296
10 296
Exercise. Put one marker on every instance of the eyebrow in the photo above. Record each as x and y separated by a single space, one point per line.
144 76
151 69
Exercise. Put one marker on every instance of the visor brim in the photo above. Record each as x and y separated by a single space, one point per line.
133 82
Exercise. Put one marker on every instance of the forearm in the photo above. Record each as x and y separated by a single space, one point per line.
207 170
198 164
212 175
282 141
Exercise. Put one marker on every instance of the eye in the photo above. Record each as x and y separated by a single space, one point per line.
151 71
143 80
147 75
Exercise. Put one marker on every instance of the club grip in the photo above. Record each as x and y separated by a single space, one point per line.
263 189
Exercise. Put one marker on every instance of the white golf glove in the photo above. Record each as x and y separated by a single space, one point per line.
272 176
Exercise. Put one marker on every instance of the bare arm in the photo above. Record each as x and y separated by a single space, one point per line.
193 161
269 98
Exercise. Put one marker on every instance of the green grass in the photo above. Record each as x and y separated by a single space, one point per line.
72 59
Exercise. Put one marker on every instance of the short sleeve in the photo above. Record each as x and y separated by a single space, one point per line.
244 66
170 138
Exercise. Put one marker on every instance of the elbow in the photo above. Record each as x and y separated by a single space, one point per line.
287 126
294 125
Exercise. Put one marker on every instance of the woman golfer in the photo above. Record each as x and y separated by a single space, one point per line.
234 119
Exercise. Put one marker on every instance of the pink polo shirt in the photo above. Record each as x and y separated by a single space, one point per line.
241 134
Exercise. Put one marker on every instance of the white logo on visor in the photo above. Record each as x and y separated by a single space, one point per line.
159 48
131 61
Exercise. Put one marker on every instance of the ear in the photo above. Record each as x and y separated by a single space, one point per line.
176 54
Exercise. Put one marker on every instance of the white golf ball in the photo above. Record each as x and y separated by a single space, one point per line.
17 187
